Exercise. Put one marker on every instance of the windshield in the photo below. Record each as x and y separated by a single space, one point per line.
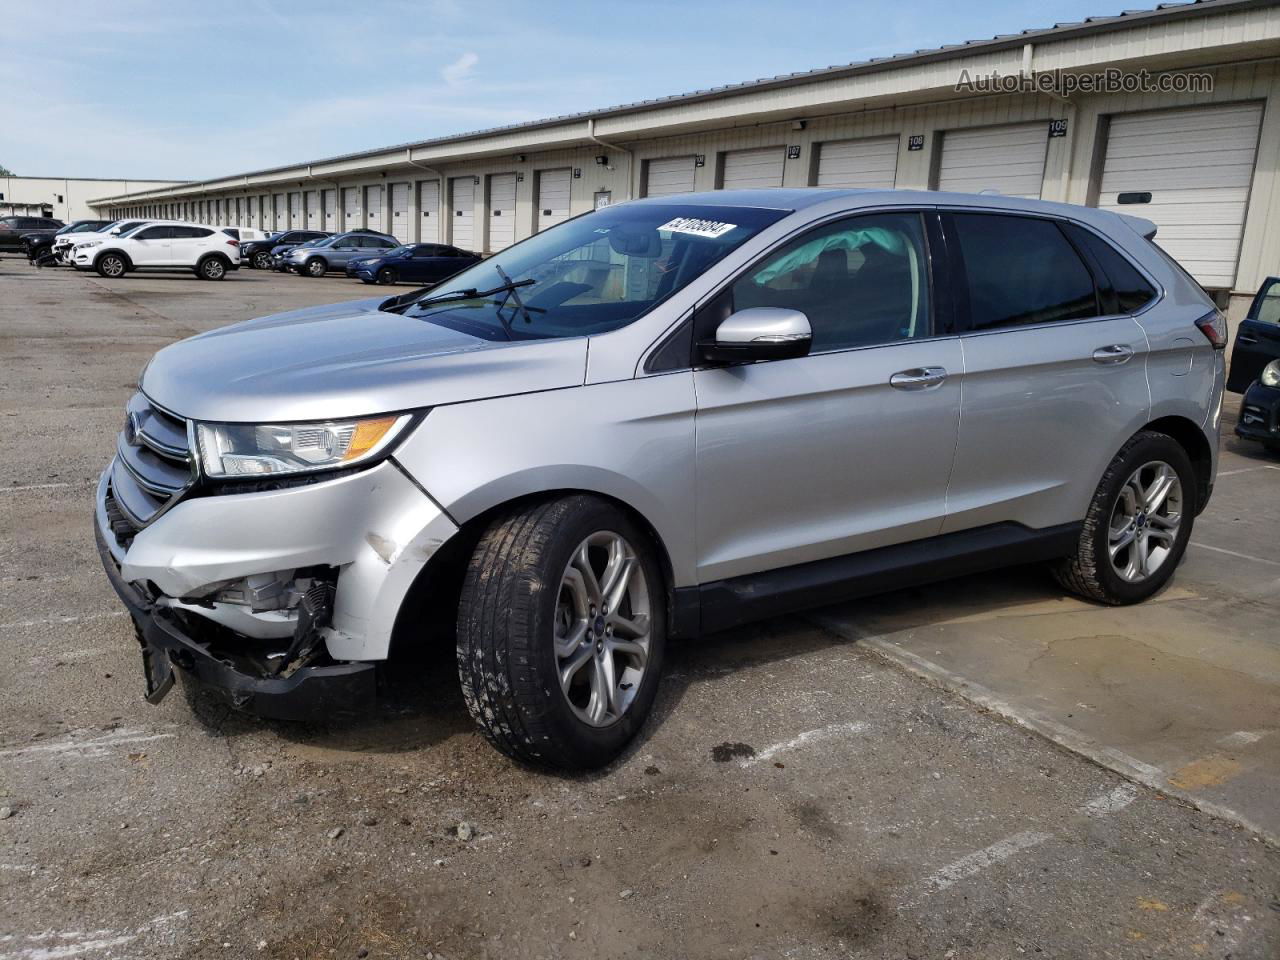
394 252
594 273
322 242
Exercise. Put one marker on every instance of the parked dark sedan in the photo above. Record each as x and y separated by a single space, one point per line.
257 253
38 245
415 262
12 229
1255 368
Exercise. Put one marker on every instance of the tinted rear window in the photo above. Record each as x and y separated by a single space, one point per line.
1132 289
1021 271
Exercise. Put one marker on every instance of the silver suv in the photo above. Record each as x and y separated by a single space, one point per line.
318 257
661 419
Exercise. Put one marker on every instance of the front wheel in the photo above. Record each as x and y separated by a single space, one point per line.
561 630
316 267
387 276
111 266
261 260
1138 523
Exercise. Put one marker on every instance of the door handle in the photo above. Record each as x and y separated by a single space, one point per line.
1245 338
918 378
1114 353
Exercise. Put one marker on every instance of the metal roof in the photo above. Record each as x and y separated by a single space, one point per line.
1001 41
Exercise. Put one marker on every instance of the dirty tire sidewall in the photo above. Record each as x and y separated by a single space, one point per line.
506 656
1088 572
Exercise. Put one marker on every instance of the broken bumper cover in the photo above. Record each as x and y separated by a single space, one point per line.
309 693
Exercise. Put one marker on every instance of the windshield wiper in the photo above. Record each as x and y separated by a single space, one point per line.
471 293
512 294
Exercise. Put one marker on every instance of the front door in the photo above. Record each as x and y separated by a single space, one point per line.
1053 383
1258 339
152 247
848 448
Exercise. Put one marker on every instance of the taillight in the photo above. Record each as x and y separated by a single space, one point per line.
233 241
1214 327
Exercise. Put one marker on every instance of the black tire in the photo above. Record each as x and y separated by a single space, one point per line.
261 260
315 267
1088 572
506 616
211 268
112 266
387 276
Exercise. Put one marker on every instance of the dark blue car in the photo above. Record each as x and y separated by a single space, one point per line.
413 263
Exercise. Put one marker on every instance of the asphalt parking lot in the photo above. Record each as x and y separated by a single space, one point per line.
984 769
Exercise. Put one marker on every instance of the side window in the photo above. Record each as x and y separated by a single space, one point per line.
860 281
154 233
347 243
1020 271
1268 308
1132 289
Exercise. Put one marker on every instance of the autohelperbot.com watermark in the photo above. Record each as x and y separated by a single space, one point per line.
1112 80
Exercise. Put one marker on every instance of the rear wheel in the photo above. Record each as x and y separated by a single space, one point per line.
561 632
211 268
1138 523
387 275
316 267
111 266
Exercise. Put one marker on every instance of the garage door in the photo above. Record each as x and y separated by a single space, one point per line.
862 164
295 211
1008 160
373 207
400 225
329 209
351 208
752 168
553 197
429 211
1196 166
502 211
280 213
669 175
462 210
313 209
250 211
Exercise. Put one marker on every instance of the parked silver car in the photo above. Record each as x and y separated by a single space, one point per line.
663 418
333 253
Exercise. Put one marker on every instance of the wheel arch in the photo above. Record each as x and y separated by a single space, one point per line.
1193 440
432 600
128 260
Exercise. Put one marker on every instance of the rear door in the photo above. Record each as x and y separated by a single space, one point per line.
1054 380
857 437
1258 339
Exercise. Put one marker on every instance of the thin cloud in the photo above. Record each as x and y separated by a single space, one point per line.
457 72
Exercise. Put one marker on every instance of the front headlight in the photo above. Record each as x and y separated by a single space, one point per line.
251 450
90 243
1271 374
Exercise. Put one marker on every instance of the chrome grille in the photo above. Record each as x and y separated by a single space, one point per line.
153 465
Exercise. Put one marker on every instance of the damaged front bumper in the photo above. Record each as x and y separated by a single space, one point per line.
309 692
281 600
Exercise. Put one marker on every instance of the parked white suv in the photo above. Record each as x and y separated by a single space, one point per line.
65 244
162 246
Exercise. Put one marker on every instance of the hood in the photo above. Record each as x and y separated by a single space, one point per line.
348 359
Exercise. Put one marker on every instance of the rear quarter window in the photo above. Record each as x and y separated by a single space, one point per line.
1133 291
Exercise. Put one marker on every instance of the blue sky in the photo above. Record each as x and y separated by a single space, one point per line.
188 91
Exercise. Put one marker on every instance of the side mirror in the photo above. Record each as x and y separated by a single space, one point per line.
759 333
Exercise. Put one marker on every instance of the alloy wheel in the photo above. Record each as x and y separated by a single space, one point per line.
213 269
1145 521
602 628
113 266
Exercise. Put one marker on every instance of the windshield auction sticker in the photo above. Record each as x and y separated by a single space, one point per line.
698 228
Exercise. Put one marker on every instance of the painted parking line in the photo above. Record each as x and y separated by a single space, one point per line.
971 864
1234 553
43 486
828 732
1232 473
59 944
78 745
50 621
